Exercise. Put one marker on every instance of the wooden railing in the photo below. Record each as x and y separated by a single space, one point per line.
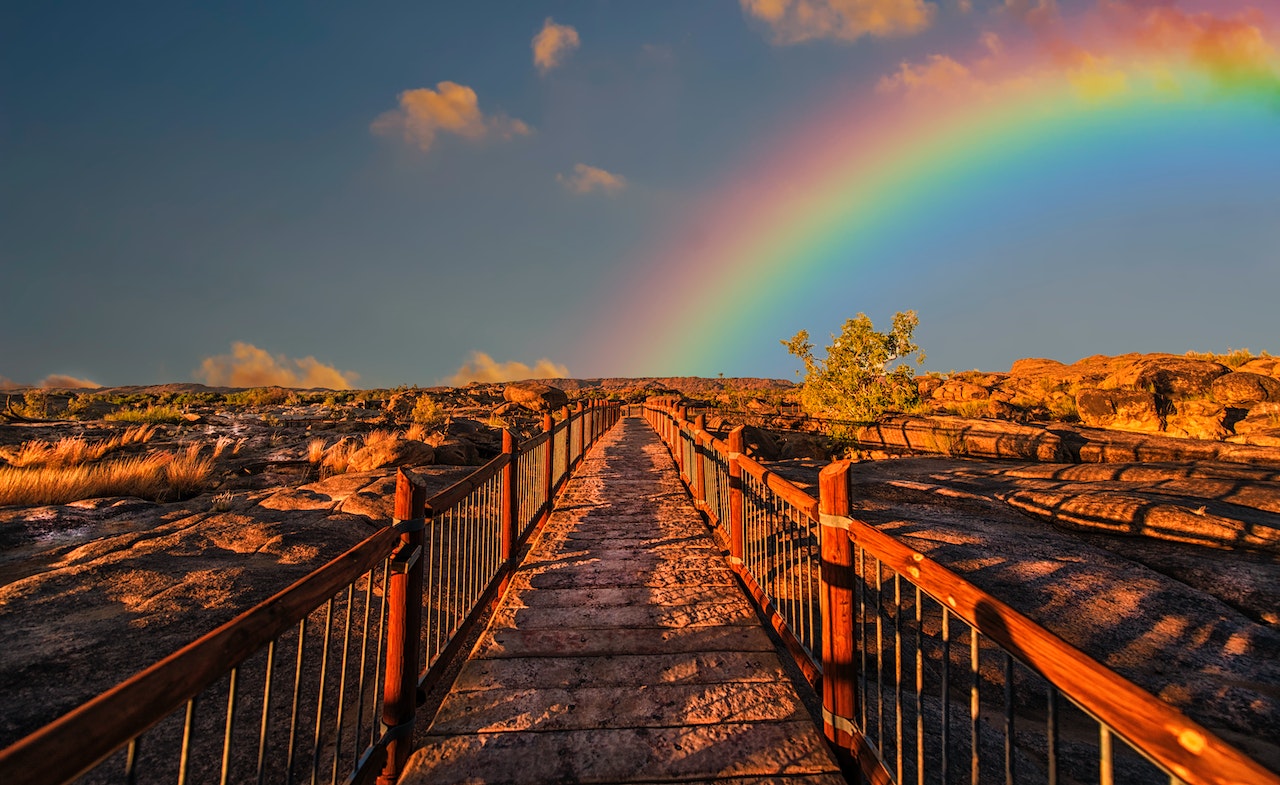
322 680
925 677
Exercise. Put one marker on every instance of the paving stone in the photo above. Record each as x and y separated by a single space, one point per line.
625 651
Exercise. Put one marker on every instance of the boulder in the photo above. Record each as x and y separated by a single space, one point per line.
1121 409
456 451
759 444
959 390
804 445
1196 419
393 452
1263 366
535 396
925 385
1037 367
1244 387
1166 375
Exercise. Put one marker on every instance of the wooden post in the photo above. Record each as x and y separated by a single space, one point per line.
404 623
699 473
737 510
582 432
510 507
548 427
839 662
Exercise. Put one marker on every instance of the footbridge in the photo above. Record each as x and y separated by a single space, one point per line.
627 598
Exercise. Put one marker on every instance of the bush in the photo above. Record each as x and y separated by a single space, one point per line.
853 381
151 414
427 412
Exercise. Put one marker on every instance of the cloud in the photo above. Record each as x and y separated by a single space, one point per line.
939 73
249 366
553 44
1033 12
62 380
9 384
1120 47
586 179
965 6
794 21
483 368
450 108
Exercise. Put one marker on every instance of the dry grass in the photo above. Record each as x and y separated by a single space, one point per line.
416 432
337 458
151 414
315 450
158 476
380 437
72 451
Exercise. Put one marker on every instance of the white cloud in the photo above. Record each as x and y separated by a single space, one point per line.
450 108
553 44
586 179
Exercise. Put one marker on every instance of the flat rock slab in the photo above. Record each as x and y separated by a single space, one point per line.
624 652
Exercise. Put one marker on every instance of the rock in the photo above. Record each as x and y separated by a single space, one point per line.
925 385
1244 387
193 419
506 408
1166 375
392 452
1263 366
1262 437
759 444
1124 410
961 436
1196 419
456 451
1036 367
959 390
804 445
535 396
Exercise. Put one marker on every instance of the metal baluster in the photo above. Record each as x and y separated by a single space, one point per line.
1008 719
364 652
1106 768
378 673
297 692
226 734
342 687
860 588
188 726
919 689
1051 731
266 710
975 681
897 660
879 656
324 674
946 695
131 761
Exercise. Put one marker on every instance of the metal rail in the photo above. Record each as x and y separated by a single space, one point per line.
926 678
319 683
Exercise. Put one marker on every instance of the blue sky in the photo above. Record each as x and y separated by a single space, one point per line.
179 178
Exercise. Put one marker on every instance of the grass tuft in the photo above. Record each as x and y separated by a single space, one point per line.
158 476
151 414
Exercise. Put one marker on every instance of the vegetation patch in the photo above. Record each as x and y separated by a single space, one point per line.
158 476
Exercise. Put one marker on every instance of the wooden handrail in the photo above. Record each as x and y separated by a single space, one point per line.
82 738
464 487
1170 738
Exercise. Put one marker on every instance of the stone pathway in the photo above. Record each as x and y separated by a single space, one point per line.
624 652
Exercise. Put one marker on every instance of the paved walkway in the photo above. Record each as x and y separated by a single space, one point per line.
624 652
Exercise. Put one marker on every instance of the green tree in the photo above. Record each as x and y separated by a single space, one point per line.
854 382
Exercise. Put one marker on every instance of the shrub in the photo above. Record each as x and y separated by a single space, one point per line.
853 381
258 396
427 412
151 414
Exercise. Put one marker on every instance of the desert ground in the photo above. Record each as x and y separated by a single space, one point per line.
1129 504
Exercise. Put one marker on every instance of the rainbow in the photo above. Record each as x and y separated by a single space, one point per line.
865 166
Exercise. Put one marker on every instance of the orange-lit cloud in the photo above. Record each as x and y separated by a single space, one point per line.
586 179
9 384
249 366
939 72
69 382
450 108
1106 54
483 368
794 21
553 44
